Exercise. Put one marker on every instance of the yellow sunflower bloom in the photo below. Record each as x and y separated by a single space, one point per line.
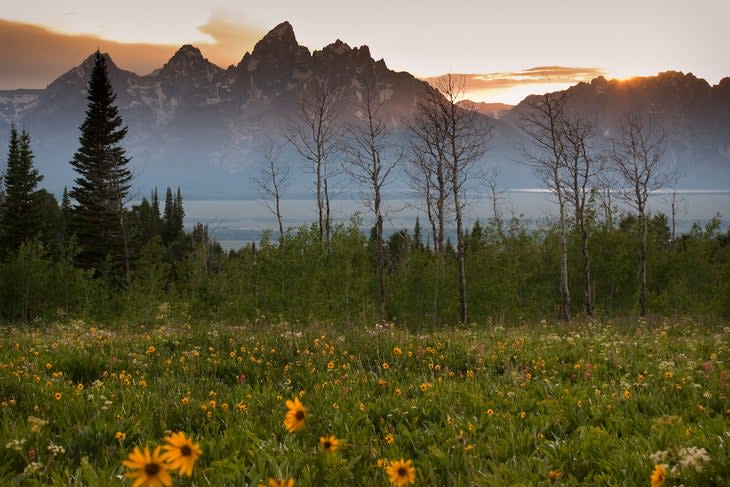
147 470
659 475
181 453
280 483
294 419
329 444
401 472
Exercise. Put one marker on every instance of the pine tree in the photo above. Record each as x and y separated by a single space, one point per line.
104 178
22 219
66 212
168 226
156 211
172 221
179 214
474 240
417 235
145 221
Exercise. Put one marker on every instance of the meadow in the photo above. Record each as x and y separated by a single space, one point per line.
586 403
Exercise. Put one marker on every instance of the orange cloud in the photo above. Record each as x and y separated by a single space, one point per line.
33 56
540 75
231 40
512 87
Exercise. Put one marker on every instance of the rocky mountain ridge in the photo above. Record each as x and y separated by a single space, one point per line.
197 125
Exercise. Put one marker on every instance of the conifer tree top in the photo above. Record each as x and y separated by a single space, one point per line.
104 179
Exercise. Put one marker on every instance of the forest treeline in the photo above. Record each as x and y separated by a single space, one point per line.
512 276
98 257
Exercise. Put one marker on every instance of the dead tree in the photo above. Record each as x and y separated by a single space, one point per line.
427 169
604 195
271 181
315 136
637 159
582 168
371 156
496 198
543 124
455 138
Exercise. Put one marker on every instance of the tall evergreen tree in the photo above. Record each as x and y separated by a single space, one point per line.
104 178
179 213
156 209
417 235
66 212
22 219
145 221
174 214
168 218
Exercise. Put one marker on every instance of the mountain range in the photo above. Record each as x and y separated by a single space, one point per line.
199 126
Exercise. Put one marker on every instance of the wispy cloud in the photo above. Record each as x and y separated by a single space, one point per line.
230 39
513 86
540 75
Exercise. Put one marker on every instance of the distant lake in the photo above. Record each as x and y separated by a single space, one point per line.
235 223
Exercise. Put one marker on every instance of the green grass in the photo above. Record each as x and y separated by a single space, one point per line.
470 406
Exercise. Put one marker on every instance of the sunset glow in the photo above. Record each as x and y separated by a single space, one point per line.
622 39
515 94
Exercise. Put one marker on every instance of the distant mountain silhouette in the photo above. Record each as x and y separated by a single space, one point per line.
495 110
194 124
694 116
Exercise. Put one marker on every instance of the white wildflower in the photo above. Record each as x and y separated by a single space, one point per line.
659 457
693 457
55 450
33 467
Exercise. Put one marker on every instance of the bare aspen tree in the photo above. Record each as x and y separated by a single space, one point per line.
676 206
581 171
496 197
458 137
371 157
543 124
272 180
467 137
637 159
606 185
428 171
315 136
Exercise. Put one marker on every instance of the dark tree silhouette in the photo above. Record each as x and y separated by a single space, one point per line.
103 178
21 217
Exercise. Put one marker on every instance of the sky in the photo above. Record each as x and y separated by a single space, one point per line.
507 49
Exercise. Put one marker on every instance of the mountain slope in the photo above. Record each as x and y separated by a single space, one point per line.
194 124
694 115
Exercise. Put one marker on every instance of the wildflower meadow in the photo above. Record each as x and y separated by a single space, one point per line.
280 404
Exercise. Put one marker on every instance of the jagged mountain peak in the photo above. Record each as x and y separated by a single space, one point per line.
337 47
188 52
278 47
79 75
203 122
91 59
187 60
280 38
282 30
88 64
